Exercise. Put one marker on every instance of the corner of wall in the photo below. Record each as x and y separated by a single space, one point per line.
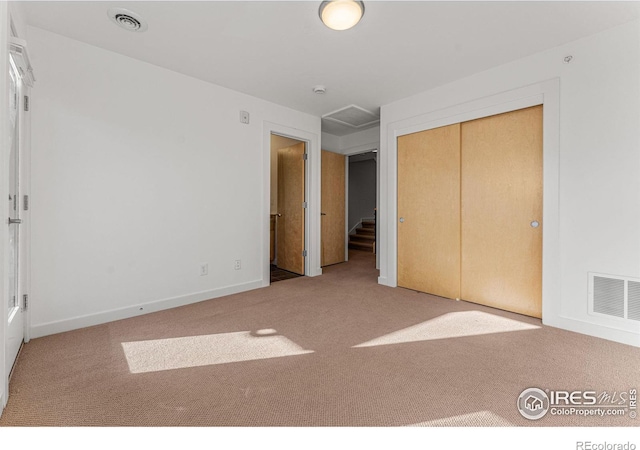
360 142
330 143
590 120
74 323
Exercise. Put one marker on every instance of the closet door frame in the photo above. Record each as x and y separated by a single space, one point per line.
544 93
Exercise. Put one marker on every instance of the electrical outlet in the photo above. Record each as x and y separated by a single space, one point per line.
204 269
244 117
237 265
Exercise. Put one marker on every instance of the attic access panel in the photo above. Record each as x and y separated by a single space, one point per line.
353 116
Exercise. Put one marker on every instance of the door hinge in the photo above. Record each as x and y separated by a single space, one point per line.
304 205
304 253
25 301
305 156
26 103
25 203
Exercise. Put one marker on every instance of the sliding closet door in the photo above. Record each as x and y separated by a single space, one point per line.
502 211
429 211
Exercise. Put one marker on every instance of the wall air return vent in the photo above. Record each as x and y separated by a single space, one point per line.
353 116
614 296
633 310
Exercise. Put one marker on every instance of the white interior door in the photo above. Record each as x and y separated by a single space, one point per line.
15 331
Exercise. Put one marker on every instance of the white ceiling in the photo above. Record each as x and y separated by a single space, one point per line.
279 50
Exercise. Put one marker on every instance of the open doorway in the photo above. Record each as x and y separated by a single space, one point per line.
287 210
362 201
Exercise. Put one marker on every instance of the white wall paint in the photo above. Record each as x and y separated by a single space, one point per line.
360 142
331 143
599 163
18 17
351 144
140 175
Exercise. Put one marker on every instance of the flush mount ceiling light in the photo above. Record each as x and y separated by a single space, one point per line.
341 15
127 19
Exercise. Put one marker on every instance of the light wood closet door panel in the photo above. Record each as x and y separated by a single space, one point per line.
501 196
290 226
333 208
429 204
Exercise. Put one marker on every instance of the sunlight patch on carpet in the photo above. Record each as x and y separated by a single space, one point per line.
476 419
452 325
194 351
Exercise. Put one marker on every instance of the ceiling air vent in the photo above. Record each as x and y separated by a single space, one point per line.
353 116
614 296
127 19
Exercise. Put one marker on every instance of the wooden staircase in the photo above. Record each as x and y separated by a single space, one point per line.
364 237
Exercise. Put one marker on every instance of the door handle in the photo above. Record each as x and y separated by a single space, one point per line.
16 221
323 214
401 219
535 224
278 215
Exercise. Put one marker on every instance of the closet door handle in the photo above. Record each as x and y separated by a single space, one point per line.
535 224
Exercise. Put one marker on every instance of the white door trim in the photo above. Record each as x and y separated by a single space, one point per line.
312 194
4 187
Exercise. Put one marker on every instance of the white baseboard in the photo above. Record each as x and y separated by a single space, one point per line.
75 323
592 329
577 326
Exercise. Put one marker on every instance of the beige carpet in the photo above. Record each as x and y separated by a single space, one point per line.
335 350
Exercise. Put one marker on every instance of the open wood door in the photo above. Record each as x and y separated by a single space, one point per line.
333 208
290 225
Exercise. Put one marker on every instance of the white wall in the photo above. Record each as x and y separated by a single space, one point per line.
360 142
351 144
331 143
598 161
140 175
